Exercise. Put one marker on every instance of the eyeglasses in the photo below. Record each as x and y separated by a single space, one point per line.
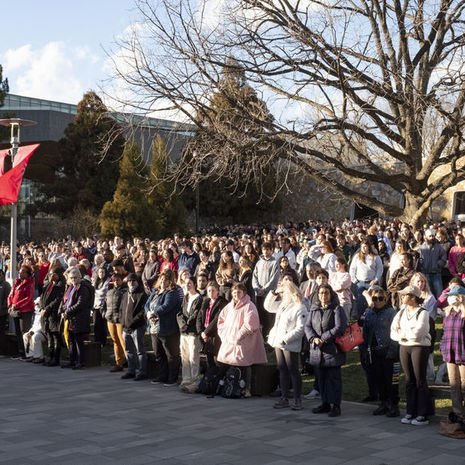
377 298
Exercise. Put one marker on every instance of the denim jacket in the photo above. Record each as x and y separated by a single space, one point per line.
378 324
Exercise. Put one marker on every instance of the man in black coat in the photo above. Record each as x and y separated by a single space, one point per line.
134 323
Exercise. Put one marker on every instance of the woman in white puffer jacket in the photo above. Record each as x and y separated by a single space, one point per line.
286 338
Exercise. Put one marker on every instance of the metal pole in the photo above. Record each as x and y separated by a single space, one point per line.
15 125
14 211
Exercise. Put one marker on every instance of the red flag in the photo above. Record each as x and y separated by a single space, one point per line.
10 182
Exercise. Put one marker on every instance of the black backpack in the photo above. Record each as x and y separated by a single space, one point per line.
209 383
232 384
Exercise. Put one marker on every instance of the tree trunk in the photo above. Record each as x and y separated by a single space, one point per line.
415 210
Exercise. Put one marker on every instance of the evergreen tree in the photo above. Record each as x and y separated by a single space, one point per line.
168 207
83 177
130 212
226 193
4 89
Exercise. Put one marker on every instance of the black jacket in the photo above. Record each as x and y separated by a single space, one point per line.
132 309
188 321
5 289
113 301
246 279
213 342
78 313
50 300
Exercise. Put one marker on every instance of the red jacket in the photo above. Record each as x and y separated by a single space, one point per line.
22 295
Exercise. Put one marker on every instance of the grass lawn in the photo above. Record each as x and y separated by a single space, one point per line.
354 386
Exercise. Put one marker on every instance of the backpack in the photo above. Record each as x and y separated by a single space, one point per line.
209 383
232 384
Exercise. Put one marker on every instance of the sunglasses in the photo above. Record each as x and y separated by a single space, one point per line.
376 298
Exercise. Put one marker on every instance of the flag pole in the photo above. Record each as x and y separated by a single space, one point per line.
15 125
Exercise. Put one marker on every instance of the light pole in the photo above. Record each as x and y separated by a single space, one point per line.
15 125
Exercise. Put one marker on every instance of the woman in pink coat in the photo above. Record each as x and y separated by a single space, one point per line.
239 330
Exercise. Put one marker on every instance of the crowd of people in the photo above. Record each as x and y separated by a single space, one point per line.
234 296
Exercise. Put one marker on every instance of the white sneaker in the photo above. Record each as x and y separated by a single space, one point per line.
312 395
407 419
420 421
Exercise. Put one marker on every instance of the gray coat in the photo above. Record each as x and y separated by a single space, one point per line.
327 324
432 258
265 276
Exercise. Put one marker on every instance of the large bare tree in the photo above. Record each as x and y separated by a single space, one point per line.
362 92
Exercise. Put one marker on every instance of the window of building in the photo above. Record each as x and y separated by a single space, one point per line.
459 203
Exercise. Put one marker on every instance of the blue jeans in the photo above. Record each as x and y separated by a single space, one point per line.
435 283
134 342
330 381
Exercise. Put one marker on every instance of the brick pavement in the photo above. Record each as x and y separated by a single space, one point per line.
55 416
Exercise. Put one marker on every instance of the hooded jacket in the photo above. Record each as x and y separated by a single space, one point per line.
239 330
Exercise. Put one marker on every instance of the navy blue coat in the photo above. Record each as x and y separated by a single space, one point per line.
168 306
327 324
377 325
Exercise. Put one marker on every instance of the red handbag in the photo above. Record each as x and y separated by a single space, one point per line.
351 338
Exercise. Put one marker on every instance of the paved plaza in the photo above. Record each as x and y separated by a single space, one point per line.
55 416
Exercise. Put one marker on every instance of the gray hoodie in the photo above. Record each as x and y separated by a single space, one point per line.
265 276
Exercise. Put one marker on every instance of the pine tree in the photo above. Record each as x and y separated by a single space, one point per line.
84 178
233 194
130 212
170 211
4 89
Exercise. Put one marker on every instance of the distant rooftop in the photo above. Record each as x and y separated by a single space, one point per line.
18 102
15 102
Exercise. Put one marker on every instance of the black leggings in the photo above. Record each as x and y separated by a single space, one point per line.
288 365
77 354
22 325
54 345
100 326
414 360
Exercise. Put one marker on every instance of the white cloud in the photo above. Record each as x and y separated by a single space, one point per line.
14 59
84 53
49 72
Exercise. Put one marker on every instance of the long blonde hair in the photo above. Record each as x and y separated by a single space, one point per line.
291 293
427 292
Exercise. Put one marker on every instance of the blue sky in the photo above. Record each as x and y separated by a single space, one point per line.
54 49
